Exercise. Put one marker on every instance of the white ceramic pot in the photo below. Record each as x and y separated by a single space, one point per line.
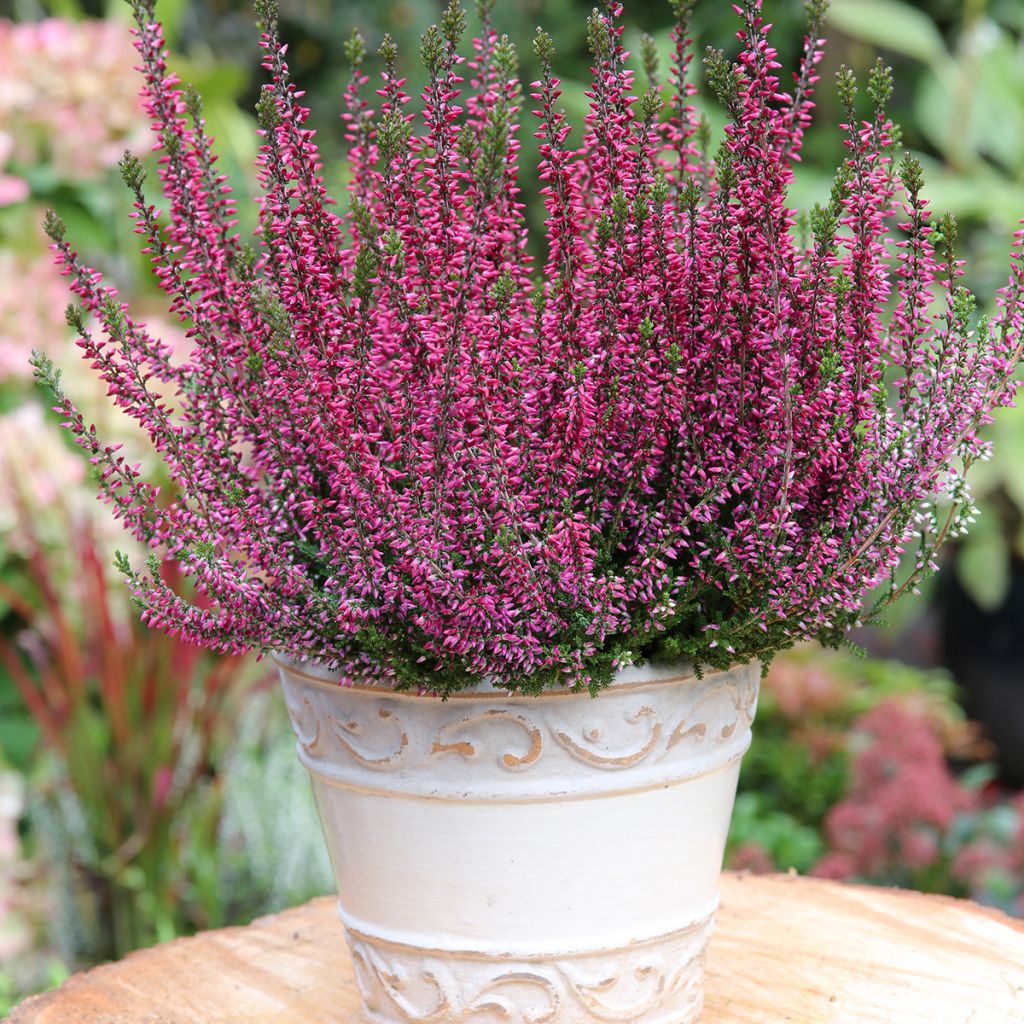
527 860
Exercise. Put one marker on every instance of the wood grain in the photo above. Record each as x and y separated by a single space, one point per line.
786 949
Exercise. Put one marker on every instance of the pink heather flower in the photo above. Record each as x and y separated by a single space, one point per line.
401 444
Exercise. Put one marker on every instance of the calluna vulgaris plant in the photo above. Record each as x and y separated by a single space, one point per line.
402 444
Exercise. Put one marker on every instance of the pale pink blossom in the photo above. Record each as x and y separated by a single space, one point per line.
67 95
31 298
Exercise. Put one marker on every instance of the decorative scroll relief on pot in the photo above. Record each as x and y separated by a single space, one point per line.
635 734
655 982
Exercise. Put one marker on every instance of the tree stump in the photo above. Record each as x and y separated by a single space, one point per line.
786 949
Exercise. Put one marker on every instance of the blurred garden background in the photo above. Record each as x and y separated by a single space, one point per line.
148 790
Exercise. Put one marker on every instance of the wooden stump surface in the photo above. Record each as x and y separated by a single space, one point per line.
786 949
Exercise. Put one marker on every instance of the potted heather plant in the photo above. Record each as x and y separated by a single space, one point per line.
457 490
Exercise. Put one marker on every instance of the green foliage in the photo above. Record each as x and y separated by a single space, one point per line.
365 271
453 23
266 12
432 51
46 371
392 133
793 779
983 562
899 27
846 88
132 171
880 85
355 49
599 40
789 841
54 226
723 79
649 56
544 48
267 114
503 289
798 768
269 849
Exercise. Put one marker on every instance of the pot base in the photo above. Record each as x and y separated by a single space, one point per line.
657 981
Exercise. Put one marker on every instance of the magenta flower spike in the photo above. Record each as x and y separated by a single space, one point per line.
401 445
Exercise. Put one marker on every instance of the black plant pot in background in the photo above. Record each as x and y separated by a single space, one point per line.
985 652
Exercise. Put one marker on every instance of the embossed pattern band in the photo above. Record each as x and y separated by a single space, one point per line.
645 736
656 982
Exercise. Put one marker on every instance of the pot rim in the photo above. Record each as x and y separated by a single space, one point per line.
634 677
